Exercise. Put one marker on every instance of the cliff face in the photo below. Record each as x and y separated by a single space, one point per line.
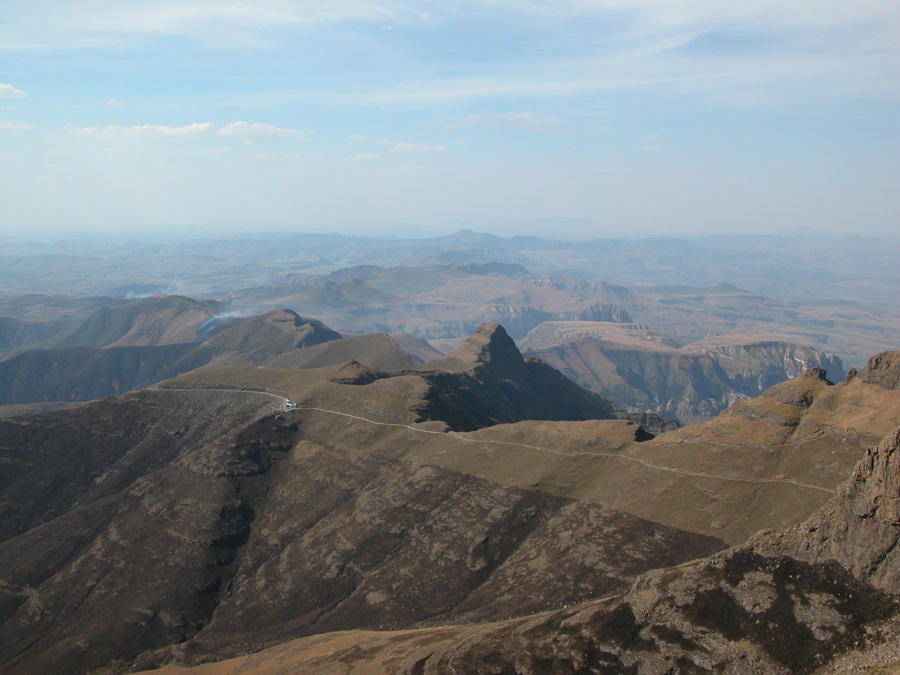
690 383
753 367
883 369
489 369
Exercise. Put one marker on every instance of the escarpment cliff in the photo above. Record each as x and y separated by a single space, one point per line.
654 372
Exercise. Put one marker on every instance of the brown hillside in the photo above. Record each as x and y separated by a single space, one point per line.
236 537
276 331
377 350
156 320
781 605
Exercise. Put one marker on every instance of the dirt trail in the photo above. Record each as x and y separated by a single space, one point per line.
465 438
613 455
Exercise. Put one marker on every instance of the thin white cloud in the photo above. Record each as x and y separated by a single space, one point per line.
525 119
404 146
188 130
62 24
258 129
9 91
113 101
15 127
197 129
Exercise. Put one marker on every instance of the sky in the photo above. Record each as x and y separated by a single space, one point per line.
579 118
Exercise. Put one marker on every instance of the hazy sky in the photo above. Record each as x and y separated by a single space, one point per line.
602 116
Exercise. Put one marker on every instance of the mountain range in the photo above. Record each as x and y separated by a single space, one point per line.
477 511
833 294
103 347
470 453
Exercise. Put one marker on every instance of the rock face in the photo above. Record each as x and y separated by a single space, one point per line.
488 368
860 528
690 383
883 369
755 365
738 613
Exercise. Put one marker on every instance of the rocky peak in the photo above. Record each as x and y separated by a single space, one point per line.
490 344
883 369
816 374
880 471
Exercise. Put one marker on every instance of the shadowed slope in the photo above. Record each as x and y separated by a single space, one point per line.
779 605
488 368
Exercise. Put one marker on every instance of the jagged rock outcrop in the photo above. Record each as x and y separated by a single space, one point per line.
739 612
602 312
755 365
488 368
883 369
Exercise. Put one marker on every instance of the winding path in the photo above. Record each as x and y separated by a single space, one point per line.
466 439
612 455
